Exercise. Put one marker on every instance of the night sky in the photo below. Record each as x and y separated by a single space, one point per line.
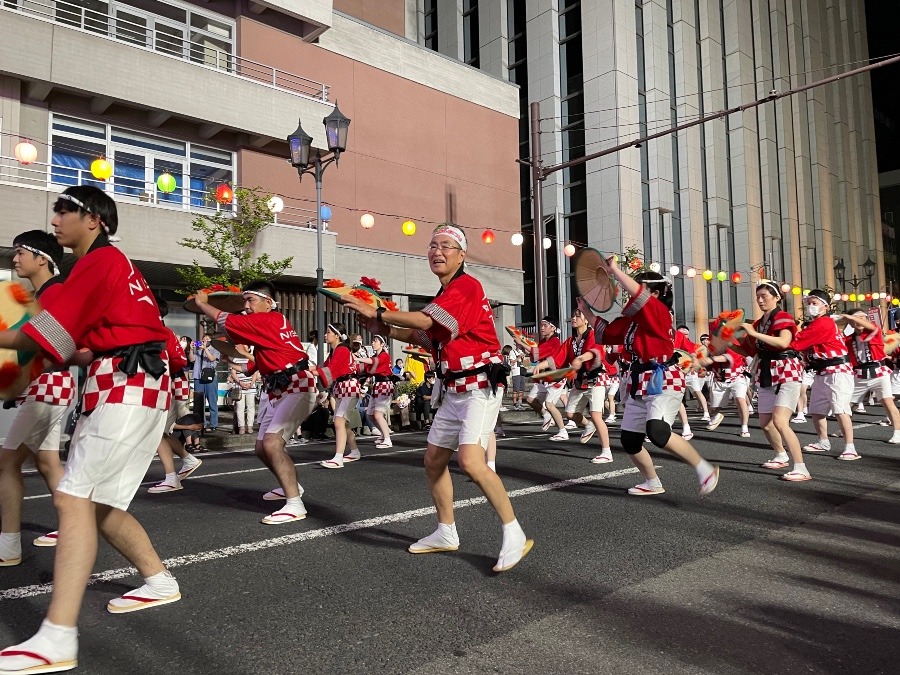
884 40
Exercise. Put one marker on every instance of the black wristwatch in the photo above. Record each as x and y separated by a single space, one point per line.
379 313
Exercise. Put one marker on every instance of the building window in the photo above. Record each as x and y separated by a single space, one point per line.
470 33
430 24
138 160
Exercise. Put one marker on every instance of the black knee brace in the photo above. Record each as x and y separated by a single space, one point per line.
659 432
632 442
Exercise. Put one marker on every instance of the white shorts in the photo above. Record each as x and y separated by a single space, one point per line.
881 386
579 400
767 399
831 394
37 426
380 404
344 405
545 393
694 382
465 418
720 390
177 410
638 411
613 387
809 376
285 414
111 450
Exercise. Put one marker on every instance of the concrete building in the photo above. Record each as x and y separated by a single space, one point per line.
209 91
787 189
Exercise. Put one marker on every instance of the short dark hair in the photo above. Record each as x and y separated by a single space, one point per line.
680 326
312 335
95 202
657 282
261 286
42 241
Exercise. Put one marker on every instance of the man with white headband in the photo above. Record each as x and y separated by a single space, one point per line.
35 431
290 388
458 327
104 317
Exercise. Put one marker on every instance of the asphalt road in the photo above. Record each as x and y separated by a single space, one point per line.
760 577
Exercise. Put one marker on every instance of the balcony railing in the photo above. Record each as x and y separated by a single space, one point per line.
55 178
164 38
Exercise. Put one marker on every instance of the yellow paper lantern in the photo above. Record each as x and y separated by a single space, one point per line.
796 290
101 169
409 228
896 302
708 275
852 297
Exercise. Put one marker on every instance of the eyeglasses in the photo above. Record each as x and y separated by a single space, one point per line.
443 247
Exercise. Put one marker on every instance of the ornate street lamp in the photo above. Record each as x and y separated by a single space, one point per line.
300 142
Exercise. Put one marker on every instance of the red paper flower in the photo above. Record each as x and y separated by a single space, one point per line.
374 284
19 294
234 289
334 283
727 333
391 306
361 294
215 288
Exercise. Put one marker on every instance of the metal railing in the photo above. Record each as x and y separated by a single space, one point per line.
55 178
166 41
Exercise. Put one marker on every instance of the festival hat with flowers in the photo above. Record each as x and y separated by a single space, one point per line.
224 298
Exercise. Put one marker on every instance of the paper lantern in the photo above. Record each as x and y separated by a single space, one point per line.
275 204
708 275
785 288
876 296
721 276
852 297
654 267
569 250
517 239
736 278
408 228
224 194
166 183
674 270
845 297
325 212
805 291
26 152
795 290
895 302
547 242
101 169
367 220
487 237
868 296
690 273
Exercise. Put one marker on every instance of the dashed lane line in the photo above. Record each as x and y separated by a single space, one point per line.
252 547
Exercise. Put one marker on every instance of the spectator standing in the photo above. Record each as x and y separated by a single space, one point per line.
206 358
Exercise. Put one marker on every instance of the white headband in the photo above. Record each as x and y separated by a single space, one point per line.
261 295
80 205
454 233
39 252
337 332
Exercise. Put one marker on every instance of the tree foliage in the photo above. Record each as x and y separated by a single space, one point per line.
228 238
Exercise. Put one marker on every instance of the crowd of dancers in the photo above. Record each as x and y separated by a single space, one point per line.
104 318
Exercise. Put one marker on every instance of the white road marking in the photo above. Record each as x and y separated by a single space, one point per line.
252 547
314 462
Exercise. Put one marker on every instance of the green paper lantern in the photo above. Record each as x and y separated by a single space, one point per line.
721 276
166 183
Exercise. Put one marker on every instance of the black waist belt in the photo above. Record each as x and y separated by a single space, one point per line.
867 370
585 379
636 368
147 355
496 372
385 378
765 363
344 378
819 365
281 380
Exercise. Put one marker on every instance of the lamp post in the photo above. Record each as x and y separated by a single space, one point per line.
336 126
868 270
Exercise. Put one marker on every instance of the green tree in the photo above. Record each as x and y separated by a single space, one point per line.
228 238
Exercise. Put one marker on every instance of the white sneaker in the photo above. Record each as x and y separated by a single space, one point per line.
571 425
504 408
561 435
